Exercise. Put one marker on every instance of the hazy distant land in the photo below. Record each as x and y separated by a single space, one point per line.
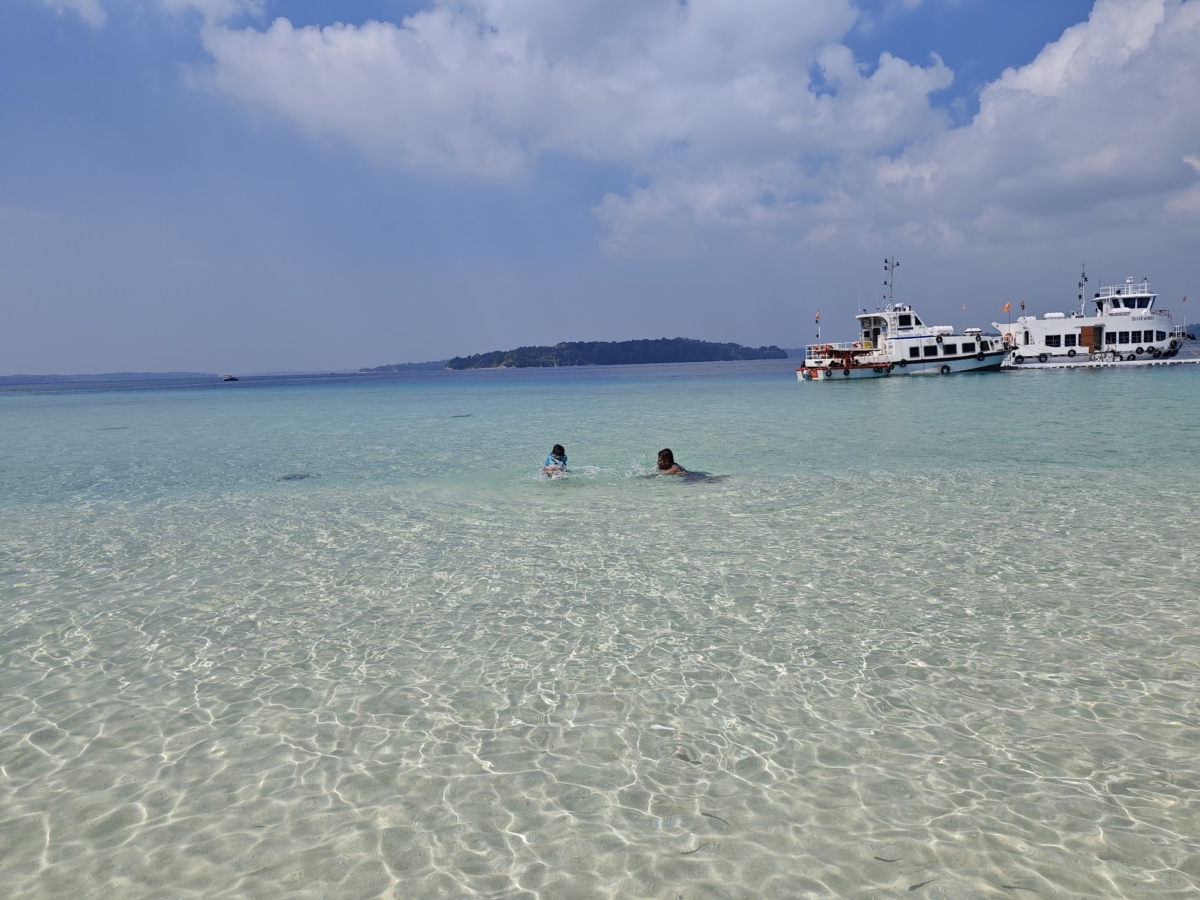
102 376
614 353
574 353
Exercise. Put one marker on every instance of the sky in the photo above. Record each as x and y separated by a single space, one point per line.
264 185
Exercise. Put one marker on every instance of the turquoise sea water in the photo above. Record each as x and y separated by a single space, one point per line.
931 637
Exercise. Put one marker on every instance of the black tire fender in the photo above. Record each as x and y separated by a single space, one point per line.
980 356
902 363
945 370
1042 357
938 338
1071 353
1018 358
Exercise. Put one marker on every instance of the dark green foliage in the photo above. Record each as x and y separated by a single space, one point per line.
614 353
405 367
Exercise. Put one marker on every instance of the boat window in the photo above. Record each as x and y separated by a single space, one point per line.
1143 302
1123 337
914 352
906 321
1027 337
1160 335
917 320
1130 303
931 350
969 348
949 349
1068 340
1135 337
1054 340
1110 337
986 345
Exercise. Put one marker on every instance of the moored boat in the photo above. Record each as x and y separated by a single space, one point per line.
1126 329
895 341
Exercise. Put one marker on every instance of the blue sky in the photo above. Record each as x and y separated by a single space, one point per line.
196 184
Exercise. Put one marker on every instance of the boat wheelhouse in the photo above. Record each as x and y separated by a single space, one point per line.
895 341
1127 328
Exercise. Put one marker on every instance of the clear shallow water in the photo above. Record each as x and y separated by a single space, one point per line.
931 637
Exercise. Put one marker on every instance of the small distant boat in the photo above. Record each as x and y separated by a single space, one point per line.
230 378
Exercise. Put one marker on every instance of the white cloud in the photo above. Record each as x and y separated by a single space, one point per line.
712 105
484 90
89 10
709 100
1101 115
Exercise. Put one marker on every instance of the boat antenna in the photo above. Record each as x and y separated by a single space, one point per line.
890 266
1083 280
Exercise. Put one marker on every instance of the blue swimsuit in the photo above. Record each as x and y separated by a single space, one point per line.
553 460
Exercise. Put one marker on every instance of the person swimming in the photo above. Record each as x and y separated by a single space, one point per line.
667 464
556 462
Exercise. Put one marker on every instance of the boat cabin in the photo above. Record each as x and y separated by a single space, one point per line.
895 321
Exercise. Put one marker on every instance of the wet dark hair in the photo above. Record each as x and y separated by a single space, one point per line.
558 450
665 455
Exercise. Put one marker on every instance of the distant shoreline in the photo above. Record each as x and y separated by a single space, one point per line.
615 353
103 376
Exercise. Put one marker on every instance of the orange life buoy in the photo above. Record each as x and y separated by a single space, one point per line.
1008 338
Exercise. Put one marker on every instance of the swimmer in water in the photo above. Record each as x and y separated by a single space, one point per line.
667 464
556 462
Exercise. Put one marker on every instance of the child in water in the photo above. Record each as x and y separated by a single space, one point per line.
556 462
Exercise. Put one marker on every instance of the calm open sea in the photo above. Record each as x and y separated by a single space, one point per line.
931 637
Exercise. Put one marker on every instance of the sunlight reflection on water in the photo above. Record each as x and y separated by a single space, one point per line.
929 638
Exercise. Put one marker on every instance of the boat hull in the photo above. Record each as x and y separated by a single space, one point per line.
1103 362
955 366
841 373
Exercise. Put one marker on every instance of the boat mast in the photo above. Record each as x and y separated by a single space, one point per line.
1083 280
889 266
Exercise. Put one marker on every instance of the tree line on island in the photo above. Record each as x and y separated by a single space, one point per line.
614 353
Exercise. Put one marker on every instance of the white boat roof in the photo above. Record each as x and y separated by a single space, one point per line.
1129 289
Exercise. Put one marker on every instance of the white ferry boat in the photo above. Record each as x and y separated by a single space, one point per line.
894 341
1126 330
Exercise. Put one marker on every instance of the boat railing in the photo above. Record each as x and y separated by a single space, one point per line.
1129 289
826 351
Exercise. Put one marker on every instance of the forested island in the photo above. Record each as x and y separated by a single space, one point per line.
405 367
614 353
